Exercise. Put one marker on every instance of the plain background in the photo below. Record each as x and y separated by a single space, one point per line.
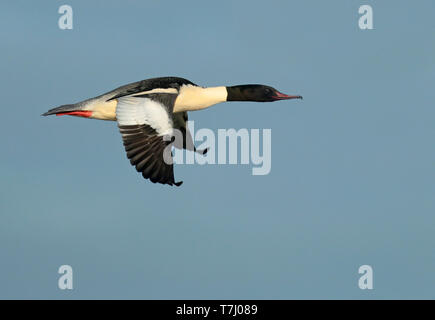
352 178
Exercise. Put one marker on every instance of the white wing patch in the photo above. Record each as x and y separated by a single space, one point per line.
136 111
157 90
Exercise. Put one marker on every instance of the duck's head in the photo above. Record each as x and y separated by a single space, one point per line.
257 92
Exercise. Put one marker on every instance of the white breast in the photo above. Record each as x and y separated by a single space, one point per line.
192 98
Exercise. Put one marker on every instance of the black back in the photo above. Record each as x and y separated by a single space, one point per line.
149 84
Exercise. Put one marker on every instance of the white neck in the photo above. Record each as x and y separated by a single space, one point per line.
191 98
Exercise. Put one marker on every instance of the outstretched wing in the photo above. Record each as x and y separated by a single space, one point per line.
145 124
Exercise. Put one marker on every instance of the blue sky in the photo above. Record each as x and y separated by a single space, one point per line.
352 179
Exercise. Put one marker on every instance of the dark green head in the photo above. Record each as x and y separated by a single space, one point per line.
256 92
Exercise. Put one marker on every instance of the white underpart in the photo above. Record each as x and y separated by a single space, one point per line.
137 111
191 98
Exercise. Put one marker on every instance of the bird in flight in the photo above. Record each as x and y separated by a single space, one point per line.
149 111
